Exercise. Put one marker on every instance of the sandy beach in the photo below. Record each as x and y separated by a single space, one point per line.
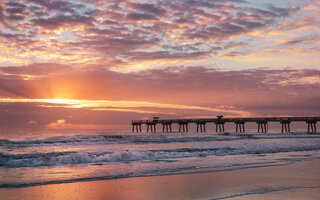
299 180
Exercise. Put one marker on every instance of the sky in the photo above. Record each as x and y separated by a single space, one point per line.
98 64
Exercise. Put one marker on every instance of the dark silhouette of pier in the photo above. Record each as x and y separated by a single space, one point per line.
220 122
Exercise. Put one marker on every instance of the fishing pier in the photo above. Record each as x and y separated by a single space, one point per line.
220 122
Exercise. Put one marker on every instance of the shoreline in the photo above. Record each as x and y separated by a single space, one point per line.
278 182
179 171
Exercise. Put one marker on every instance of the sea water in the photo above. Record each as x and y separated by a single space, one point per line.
29 158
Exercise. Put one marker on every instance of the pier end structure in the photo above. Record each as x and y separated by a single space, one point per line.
220 124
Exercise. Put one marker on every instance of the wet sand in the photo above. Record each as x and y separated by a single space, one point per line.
300 180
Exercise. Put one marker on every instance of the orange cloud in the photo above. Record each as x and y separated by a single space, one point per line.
61 124
310 7
32 122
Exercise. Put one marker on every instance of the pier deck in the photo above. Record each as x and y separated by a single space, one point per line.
220 122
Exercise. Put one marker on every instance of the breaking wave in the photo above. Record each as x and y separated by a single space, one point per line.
142 139
75 158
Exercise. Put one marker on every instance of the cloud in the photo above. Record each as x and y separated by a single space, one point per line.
282 12
36 69
62 124
1 12
120 32
32 122
15 11
64 6
305 39
141 16
232 54
59 124
149 8
62 20
157 55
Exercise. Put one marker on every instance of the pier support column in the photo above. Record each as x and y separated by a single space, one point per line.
262 126
312 126
220 126
240 126
285 126
136 126
202 125
167 127
151 126
183 126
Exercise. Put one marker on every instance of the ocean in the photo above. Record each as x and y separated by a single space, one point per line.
30 158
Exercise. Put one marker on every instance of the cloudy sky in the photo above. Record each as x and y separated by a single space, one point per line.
98 64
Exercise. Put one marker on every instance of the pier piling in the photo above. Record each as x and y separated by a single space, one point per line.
285 126
312 126
136 126
220 125
152 126
183 126
240 126
167 126
262 126
202 125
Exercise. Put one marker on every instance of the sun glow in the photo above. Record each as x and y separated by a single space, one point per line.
61 101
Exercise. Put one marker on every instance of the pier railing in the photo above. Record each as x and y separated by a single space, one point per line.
262 123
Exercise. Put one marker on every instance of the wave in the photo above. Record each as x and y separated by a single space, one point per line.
65 140
142 139
49 159
76 158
